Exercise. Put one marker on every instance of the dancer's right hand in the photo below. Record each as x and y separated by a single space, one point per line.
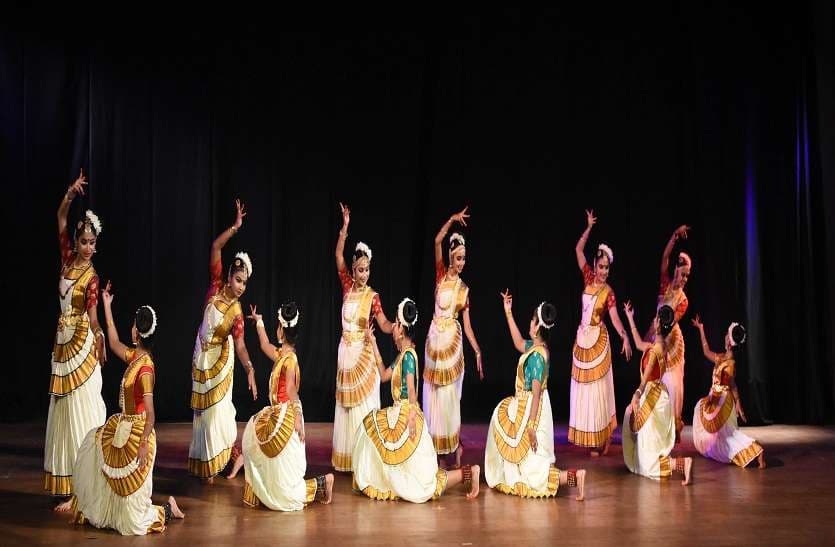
507 300
254 315
461 216
628 310
346 215
591 220
241 213
77 187
369 335
106 295
697 322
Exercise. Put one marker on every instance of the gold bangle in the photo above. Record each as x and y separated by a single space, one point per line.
234 230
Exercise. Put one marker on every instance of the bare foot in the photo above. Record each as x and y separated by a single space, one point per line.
595 453
328 489
581 485
175 509
761 460
473 493
64 506
688 470
606 446
209 481
239 462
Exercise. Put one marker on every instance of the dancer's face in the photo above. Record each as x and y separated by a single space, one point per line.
458 260
237 283
682 275
86 245
362 271
533 329
601 269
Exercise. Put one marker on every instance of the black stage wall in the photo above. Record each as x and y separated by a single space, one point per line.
720 118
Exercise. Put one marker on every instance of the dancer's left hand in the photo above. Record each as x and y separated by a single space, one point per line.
299 426
532 438
250 380
142 454
479 366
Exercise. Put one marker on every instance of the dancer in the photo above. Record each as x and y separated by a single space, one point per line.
592 418
444 355
648 423
716 434
519 455
273 445
357 378
75 402
393 455
214 429
114 469
671 293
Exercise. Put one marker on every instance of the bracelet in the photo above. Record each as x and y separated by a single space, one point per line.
259 323
248 366
508 313
233 229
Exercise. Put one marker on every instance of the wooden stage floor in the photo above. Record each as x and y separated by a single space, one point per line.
791 502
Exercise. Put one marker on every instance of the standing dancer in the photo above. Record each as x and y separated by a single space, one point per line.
212 368
444 355
75 402
592 416
671 293
357 378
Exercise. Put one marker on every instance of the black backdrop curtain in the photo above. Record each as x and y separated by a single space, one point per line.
718 118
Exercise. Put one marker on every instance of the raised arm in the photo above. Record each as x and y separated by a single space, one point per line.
581 243
220 241
116 346
711 356
630 316
518 341
75 189
680 233
343 235
460 217
266 347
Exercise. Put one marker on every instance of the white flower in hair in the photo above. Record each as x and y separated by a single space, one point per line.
153 327
247 262
291 323
684 257
608 250
539 317
362 247
457 237
94 220
731 334
400 317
